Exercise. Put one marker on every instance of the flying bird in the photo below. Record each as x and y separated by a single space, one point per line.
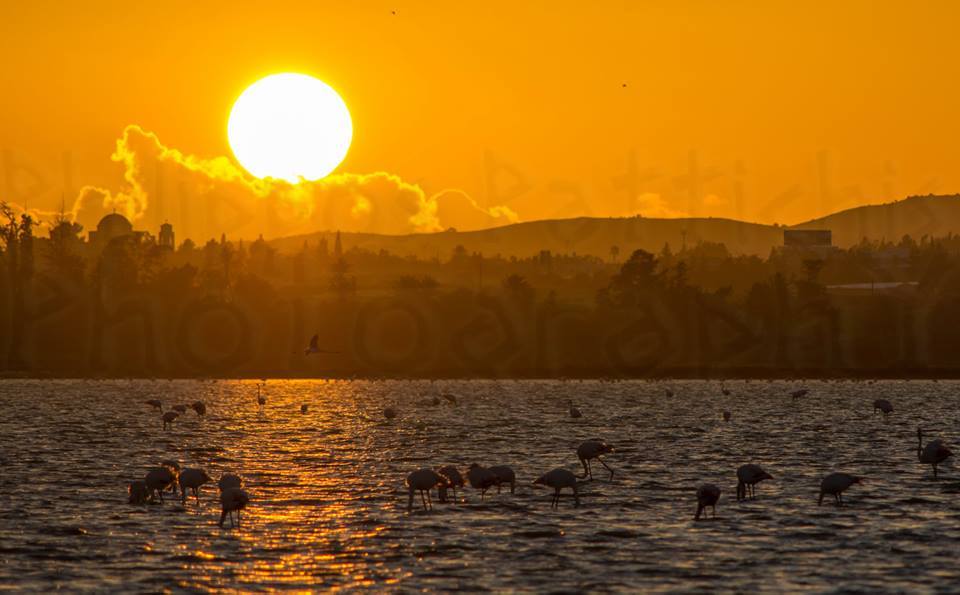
707 495
835 485
315 347
559 479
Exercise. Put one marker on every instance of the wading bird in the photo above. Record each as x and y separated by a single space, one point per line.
707 495
423 480
157 480
454 481
504 475
232 500
261 400
192 479
559 479
155 403
168 418
835 484
727 415
882 405
481 478
304 408
390 413
574 412
799 393
181 409
593 449
748 476
137 492
933 453
199 407
229 480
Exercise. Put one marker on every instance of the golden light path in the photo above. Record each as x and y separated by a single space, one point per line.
291 127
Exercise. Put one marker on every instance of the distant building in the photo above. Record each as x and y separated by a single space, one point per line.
115 226
807 238
166 237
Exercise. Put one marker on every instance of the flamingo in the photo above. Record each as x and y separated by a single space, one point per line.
423 480
452 399
232 499
707 495
181 409
727 415
748 476
137 490
593 449
882 405
799 393
304 408
574 412
168 418
261 400
229 480
155 403
504 475
835 484
390 413
669 393
933 453
193 479
725 391
174 468
559 479
481 478
157 480
199 407
454 481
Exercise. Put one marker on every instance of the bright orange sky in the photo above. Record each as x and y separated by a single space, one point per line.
789 110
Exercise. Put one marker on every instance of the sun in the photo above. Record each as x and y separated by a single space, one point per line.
291 127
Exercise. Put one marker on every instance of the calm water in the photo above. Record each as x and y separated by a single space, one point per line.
329 502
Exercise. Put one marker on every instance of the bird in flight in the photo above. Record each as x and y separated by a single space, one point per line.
315 347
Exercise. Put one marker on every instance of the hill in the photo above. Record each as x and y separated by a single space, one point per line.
916 216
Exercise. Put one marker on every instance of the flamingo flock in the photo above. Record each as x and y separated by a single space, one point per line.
169 477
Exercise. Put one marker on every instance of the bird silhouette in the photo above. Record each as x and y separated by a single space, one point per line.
229 480
574 412
707 495
423 480
232 500
593 449
559 479
314 346
882 405
481 478
727 415
199 407
933 453
304 408
181 409
155 403
168 419
137 492
192 479
504 475
454 481
748 476
261 400
157 480
835 485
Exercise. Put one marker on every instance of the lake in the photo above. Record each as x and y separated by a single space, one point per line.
329 504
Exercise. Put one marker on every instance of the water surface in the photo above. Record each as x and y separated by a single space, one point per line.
329 501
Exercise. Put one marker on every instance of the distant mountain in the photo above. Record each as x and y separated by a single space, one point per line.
916 216
583 235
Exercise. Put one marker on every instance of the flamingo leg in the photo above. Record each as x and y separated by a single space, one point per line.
576 497
586 467
410 500
607 466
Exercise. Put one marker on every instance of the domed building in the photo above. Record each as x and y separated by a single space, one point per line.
114 226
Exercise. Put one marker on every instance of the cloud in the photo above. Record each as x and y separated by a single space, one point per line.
203 197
